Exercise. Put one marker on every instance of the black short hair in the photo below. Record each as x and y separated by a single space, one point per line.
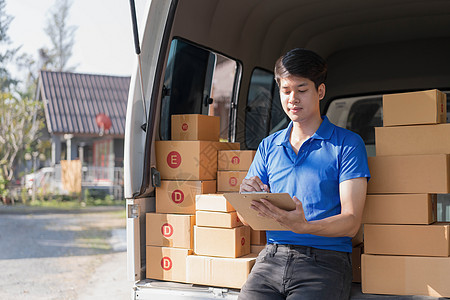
303 63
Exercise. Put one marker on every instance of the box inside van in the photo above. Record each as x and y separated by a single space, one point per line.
216 57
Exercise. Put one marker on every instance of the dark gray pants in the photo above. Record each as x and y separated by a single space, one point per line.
298 272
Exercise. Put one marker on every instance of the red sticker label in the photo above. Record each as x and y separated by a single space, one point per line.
235 160
167 230
232 181
243 241
174 159
177 196
166 263
184 127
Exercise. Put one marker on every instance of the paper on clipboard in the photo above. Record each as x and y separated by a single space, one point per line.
241 202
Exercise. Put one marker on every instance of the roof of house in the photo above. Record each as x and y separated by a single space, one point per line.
72 101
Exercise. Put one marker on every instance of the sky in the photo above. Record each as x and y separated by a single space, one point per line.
103 39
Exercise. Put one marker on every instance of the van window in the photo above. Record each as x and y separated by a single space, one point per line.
197 81
264 114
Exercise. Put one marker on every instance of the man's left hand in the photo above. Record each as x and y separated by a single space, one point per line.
293 220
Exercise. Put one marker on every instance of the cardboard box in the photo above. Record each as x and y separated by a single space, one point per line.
257 237
224 242
179 196
217 219
356 262
195 128
419 174
230 160
411 140
170 230
424 107
166 263
419 240
213 202
256 248
406 275
216 271
400 209
189 160
230 181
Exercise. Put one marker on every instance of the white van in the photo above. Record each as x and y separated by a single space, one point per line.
216 57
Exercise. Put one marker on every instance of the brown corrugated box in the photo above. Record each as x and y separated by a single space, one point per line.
406 275
213 202
219 271
171 230
423 107
166 263
179 196
257 237
230 181
409 174
419 240
256 248
224 242
217 219
189 160
400 209
411 140
195 128
234 160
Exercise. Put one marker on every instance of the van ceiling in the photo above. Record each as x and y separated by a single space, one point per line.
365 40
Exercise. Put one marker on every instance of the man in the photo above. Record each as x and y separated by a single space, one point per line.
324 168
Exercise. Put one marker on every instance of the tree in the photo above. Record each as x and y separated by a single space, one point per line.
62 37
6 55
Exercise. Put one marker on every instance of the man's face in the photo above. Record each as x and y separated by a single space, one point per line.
300 98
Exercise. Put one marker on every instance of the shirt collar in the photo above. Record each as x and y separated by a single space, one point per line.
324 132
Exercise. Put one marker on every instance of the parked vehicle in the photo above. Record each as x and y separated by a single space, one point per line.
216 57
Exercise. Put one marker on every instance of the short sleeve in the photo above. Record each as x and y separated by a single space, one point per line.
258 166
353 159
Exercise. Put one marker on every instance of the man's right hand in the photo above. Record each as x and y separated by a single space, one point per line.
253 184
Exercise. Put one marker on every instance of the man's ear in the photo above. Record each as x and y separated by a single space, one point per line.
321 91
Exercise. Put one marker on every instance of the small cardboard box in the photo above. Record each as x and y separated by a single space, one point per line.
195 128
179 196
420 240
216 271
231 160
406 275
213 202
217 219
356 262
257 237
419 174
230 181
189 160
411 140
424 107
256 248
170 230
224 242
400 209
166 263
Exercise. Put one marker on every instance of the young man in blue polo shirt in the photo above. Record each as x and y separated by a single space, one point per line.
324 168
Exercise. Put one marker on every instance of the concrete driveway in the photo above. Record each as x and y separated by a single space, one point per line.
70 254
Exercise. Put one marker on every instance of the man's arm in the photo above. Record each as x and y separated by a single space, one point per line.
347 223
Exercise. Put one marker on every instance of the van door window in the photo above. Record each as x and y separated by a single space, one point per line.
197 81
264 114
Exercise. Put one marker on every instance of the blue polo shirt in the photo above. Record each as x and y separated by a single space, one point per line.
332 155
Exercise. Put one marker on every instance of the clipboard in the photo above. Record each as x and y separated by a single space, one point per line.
241 202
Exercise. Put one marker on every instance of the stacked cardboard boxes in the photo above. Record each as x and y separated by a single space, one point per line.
221 243
406 251
188 167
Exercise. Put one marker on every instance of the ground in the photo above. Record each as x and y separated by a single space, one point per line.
63 254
